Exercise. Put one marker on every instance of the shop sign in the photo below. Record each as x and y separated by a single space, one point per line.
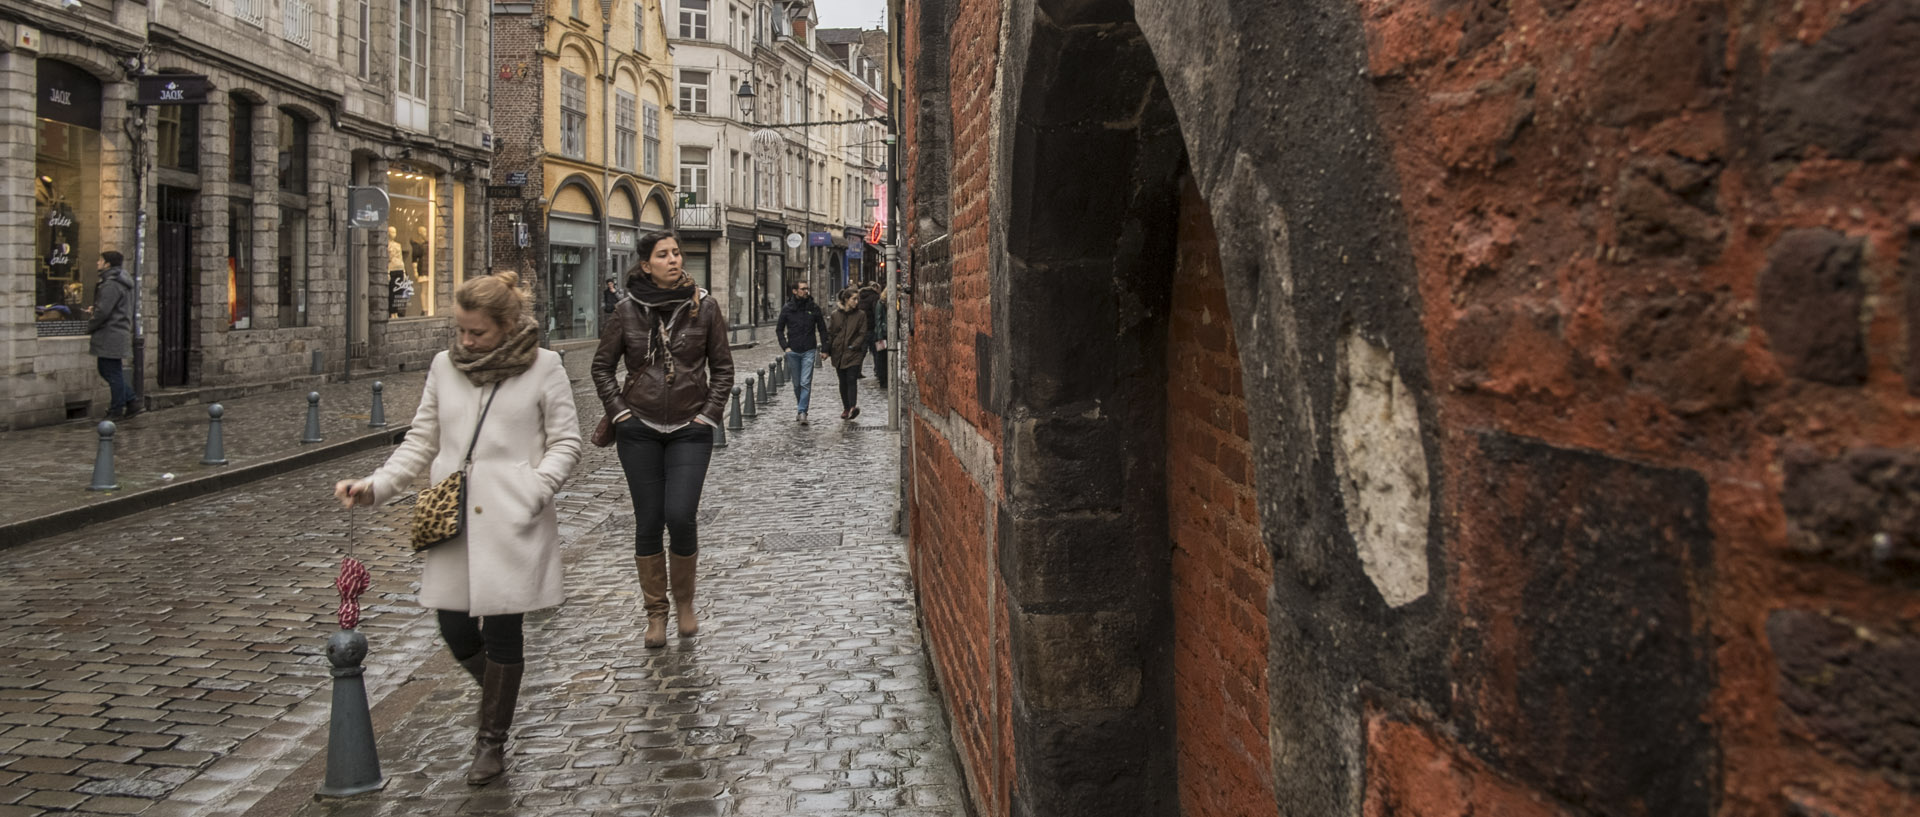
172 89
68 94
621 236
819 238
503 191
521 235
793 241
517 177
855 254
367 207
61 232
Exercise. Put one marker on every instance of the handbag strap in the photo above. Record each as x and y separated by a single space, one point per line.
476 427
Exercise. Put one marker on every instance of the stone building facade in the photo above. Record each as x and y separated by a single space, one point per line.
252 276
1364 408
585 106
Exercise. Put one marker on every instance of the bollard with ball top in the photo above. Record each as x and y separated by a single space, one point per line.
766 394
749 402
378 419
733 415
103 459
313 419
216 448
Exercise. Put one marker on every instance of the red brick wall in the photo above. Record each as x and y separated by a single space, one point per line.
1602 199
1221 570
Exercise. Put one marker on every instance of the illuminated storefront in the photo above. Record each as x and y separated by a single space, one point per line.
66 198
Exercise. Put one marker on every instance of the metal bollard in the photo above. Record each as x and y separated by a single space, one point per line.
750 411
216 448
720 436
103 460
733 417
378 419
766 394
779 376
353 762
313 418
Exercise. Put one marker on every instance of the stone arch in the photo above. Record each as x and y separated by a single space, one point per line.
574 189
1091 159
589 54
656 208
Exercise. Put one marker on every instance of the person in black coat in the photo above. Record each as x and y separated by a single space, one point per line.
802 330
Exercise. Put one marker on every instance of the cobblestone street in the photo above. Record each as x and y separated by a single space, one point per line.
170 663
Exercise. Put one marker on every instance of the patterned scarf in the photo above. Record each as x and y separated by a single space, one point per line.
513 356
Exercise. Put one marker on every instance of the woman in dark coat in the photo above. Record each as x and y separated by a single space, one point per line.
847 348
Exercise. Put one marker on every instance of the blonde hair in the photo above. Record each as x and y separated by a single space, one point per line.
498 296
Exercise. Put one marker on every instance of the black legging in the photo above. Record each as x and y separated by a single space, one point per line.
467 635
850 386
665 473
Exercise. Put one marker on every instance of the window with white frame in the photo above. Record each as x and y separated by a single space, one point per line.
693 19
363 40
459 61
296 22
639 26
693 175
650 140
411 58
693 91
733 177
573 115
623 129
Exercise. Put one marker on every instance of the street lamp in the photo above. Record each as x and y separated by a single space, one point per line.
744 98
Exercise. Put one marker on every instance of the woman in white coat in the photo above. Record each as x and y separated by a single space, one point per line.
507 563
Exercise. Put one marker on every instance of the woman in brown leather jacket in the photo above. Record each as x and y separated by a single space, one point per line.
847 348
673 339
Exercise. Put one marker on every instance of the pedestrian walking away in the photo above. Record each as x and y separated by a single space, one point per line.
802 330
847 348
110 326
610 297
672 338
502 404
873 298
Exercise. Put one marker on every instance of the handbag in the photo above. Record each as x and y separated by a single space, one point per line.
603 433
440 512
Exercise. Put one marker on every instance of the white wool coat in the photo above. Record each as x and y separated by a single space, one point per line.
508 560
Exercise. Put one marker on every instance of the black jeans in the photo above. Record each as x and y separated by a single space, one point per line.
849 386
665 473
880 367
466 636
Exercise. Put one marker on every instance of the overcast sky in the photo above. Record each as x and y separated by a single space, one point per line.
852 13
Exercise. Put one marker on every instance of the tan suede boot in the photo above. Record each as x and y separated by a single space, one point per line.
653 596
681 575
498 695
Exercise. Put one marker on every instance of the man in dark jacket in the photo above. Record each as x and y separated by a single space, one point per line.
111 328
801 331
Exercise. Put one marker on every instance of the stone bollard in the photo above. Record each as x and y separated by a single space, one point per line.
378 419
749 403
103 460
313 418
766 394
733 417
353 762
216 447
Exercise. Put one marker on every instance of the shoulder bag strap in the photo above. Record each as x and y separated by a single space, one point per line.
476 427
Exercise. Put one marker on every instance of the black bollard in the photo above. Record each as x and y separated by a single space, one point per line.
313 418
766 394
378 419
720 436
353 762
733 417
216 448
103 460
750 411
779 374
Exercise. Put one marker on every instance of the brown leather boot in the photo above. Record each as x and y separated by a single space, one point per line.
499 692
680 575
653 596
476 666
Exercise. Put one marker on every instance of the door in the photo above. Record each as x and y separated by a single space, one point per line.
176 285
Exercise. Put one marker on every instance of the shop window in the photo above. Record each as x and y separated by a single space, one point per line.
293 267
240 136
623 133
574 291
292 165
693 19
66 198
573 115
177 137
411 240
240 264
693 92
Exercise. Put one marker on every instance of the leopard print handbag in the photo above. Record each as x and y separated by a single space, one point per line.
440 513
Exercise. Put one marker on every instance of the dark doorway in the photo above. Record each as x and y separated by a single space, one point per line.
176 284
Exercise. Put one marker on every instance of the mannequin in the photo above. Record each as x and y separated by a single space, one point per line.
399 288
419 249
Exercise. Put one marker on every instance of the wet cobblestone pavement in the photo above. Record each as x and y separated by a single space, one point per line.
170 663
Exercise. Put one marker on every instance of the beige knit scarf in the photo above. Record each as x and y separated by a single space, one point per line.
510 358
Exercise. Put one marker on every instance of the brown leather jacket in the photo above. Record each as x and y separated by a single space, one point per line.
847 337
702 364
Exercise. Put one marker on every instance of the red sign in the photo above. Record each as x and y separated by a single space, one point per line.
878 233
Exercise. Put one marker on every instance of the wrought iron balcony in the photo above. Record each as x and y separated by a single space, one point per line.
709 217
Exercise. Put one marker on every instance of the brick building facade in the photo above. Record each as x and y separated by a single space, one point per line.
1369 408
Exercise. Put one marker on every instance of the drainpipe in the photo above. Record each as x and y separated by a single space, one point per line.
606 144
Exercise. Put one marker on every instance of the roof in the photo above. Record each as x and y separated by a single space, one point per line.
837 35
